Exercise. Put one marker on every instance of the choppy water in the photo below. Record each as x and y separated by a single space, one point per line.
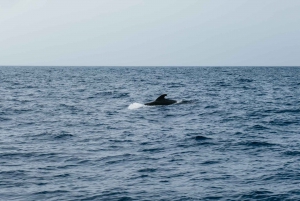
80 133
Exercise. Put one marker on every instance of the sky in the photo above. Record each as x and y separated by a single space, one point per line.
150 32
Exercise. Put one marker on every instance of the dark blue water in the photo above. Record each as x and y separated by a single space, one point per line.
80 133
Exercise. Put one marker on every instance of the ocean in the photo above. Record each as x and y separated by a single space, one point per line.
83 133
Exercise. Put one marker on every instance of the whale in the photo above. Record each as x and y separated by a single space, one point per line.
161 100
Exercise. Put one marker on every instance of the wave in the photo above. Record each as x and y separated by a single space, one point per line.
257 143
199 137
134 106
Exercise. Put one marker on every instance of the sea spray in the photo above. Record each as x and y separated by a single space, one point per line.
134 106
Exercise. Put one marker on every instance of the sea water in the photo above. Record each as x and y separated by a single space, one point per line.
83 133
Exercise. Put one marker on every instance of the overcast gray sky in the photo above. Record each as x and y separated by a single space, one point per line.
150 32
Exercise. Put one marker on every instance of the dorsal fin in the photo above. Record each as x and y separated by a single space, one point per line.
162 97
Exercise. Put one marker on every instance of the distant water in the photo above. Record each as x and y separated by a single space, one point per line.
82 133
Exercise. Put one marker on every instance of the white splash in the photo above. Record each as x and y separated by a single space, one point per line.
134 106
179 101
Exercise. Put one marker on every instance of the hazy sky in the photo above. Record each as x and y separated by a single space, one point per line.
150 32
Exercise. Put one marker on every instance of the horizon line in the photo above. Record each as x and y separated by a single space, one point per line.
139 66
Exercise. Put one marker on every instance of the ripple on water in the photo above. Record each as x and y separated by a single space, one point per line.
257 144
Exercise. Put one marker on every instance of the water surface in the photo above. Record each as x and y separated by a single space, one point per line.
81 133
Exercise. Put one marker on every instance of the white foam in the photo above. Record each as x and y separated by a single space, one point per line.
134 106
